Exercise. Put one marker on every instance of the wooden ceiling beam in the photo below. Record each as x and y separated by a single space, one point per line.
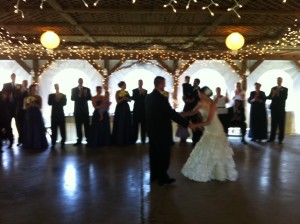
122 24
58 8
24 65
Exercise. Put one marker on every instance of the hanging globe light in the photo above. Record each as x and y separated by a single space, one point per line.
235 41
50 40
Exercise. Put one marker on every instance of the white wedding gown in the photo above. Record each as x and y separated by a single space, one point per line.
211 157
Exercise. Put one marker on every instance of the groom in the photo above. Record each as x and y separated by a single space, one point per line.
159 116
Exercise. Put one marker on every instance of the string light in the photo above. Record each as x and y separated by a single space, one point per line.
209 5
84 2
237 5
171 4
27 47
188 5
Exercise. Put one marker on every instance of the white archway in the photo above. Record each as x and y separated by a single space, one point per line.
66 74
267 74
131 74
213 74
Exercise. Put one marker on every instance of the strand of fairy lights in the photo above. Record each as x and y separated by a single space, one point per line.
23 48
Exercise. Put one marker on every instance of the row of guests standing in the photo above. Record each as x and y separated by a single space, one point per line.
125 126
24 106
258 114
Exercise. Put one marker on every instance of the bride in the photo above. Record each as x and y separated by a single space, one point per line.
211 157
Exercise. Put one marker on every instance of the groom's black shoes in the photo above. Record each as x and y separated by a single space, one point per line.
166 181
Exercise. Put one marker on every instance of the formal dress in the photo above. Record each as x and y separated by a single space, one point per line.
277 108
57 101
159 116
258 116
100 129
122 133
211 157
139 114
21 115
35 132
81 96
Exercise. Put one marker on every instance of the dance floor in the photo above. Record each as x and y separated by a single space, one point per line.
110 185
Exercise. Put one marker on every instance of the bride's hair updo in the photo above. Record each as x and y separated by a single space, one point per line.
207 91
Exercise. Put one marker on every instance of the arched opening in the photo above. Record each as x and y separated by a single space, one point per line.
208 77
131 75
269 80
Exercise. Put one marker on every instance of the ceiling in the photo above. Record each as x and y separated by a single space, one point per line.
120 25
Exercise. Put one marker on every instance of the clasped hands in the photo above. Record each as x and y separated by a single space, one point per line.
193 126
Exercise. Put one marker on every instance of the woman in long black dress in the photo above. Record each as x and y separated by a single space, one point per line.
34 128
100 127
122 126
258 114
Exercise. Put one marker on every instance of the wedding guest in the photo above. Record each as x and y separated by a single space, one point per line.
196 118
81 95
122 133
221 101
21 111
57 100
187 88
239 93
258 114
35 133
138 113
159 116
13 90
187 97
278 96
236 118
100 128
4 119
104 109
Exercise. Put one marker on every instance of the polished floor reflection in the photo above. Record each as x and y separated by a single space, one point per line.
111 185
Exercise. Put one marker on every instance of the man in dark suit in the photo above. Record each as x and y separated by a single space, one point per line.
193 101
278 95
13 90
187 88
21 111
81 95
159 116
4 119
57 100
139 95
236 118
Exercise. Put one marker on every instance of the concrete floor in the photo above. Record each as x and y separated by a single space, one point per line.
111 185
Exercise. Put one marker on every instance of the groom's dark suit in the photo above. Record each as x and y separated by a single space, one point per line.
81 110
159 114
